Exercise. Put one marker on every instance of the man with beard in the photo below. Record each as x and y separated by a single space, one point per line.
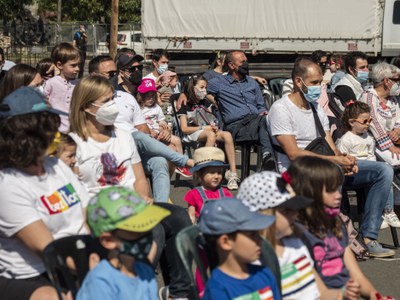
242 105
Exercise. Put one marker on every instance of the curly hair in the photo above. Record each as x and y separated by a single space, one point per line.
24 139
310 177
352 111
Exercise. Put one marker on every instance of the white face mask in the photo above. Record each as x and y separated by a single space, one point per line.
107 113
394 90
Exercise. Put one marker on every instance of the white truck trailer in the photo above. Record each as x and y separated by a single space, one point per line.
270 31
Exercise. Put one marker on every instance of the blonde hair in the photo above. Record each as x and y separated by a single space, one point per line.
88 90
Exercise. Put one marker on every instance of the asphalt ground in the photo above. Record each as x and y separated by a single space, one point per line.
383 273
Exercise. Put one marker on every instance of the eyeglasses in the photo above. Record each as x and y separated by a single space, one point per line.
134 68
111 73
364 122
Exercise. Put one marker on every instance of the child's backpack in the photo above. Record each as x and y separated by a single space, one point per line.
356 241
203 116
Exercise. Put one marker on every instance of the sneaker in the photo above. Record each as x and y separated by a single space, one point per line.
384 225
163 293
376 250
183 171
268 162
233 180
391 219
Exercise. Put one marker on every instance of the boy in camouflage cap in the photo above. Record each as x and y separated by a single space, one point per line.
122 221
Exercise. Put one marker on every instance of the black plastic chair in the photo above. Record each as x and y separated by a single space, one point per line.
77 247
189 243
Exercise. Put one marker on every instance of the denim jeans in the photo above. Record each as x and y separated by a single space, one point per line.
173 271
376 178
154 155
151 147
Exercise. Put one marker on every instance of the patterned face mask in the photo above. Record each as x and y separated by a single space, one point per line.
139 248
200 93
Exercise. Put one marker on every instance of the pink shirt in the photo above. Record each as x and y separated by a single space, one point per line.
59 92
193 198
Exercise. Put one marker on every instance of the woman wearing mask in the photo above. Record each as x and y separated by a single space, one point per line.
385 111
108 156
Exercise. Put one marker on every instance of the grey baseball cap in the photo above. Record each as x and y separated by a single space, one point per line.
228 215
25 100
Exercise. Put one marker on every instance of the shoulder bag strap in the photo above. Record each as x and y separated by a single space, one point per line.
317 121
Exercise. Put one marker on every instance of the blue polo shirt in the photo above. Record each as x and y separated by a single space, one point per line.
237 99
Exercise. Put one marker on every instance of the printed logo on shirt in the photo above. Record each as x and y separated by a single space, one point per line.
263 294
61 200
329 257
112 173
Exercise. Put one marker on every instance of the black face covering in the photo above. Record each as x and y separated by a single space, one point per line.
136 77
244 69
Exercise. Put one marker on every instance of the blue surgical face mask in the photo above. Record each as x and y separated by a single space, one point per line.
162 68
314 92
362 76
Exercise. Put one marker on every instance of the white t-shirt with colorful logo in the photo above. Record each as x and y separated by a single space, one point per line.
298 281
109 163
57 198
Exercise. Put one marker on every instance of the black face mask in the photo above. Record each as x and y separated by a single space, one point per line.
136 77
244 69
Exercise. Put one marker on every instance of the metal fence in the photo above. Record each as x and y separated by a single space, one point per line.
30 42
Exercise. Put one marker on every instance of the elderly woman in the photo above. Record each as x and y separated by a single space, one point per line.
385 122
385 111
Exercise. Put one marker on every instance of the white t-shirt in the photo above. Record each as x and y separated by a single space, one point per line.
285 118
130 114
105 164
153 115
360 146
298 280
57 198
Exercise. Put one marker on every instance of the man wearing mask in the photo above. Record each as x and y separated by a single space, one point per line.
129 70
292 124
351 86
242 105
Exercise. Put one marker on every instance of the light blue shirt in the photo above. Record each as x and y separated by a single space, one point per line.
106 282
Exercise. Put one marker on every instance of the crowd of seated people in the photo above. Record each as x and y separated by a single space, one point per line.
95 156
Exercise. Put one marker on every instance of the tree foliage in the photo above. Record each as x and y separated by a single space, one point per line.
94 10
11 8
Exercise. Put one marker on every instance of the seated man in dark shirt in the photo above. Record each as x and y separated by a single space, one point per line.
242 105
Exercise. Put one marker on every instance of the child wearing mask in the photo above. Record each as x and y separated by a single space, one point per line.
271 194
210 134
122 221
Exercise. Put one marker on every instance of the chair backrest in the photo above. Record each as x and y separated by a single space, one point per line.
189 241
276 85
78 248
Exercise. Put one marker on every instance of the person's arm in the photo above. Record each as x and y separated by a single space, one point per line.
367 289
143 128
141 184
260 102
190 129
36 236
325 293
192 213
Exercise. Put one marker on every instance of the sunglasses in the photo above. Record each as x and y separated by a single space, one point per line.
111 73
364 122
134 68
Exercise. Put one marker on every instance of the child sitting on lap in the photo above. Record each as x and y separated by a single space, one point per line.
231 231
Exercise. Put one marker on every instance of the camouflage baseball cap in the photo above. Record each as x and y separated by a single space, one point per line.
121 208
